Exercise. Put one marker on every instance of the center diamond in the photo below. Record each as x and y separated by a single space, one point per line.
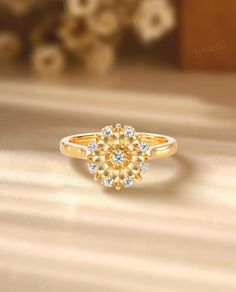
118 157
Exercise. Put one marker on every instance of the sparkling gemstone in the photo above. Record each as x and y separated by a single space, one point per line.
143 147
107 182
107 131
128 182
129 131
143 167
93 167
92 147
118 157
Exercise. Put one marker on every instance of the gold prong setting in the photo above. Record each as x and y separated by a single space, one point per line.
118 156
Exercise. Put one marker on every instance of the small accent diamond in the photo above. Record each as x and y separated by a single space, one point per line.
143 147
92 147
93 167
143 167
129 132
128 182
107 182
107 131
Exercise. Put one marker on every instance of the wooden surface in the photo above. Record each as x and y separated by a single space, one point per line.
207 34
60 231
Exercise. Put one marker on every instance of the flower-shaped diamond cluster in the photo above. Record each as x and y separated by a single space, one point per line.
118 156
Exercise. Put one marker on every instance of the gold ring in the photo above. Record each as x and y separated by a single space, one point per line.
118 156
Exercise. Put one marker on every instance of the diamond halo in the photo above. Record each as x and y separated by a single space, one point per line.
118 156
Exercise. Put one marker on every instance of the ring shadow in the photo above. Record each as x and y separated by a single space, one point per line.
168 188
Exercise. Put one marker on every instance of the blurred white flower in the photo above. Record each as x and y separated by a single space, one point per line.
48 59
81 7
74 33
153 19
104 22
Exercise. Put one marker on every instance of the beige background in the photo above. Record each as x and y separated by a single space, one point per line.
175 231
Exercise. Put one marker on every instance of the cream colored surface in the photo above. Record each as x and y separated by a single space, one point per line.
176 231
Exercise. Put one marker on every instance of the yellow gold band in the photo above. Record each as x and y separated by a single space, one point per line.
160 145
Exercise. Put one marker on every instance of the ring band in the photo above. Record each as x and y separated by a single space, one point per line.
76 145
117 156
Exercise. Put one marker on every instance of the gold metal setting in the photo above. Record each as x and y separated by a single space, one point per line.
117 157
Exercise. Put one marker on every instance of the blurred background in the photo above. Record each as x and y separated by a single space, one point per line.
74 66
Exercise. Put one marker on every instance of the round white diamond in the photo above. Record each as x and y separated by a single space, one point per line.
118 157
107 131
143 167
128 182
93 167
107 182
143 147
129 131
92 147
